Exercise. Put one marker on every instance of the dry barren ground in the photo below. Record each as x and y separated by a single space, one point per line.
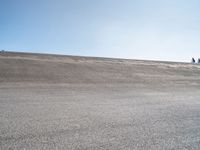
66 102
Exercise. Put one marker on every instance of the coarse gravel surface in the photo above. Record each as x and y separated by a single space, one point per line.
54 102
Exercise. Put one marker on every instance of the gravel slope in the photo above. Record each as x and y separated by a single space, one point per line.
71 102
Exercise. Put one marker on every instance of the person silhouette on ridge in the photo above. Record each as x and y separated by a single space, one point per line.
193 60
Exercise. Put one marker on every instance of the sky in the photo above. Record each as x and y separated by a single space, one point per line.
135 29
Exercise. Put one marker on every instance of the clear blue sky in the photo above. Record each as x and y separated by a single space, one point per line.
138 29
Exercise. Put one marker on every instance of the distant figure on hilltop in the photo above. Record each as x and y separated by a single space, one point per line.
198 60
193 60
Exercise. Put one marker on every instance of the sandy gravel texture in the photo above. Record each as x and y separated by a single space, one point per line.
87 103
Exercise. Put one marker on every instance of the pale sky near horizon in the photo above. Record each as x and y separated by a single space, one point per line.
137 29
